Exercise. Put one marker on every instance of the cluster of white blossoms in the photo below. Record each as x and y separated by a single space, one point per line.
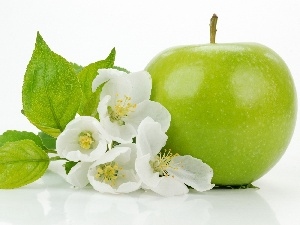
123 151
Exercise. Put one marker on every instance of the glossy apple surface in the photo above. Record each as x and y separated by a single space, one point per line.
232 105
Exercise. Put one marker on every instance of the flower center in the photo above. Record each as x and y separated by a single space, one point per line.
108 173
86 140
122 108
161 162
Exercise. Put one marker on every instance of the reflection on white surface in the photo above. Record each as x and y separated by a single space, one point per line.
52 201
97 208
175 210
245 207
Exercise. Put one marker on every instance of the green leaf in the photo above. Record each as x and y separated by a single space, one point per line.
90 104
21 162
121 69
86 76
48 141
14 135
51 92
69 165
76 67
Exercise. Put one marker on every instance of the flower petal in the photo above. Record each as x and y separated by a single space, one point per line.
105 75
113 131
112 154
77 176
121 134
150 138
102 107
67 143
126 181
117 89
137 85
151 109
131 182
99 186
145 172
62 145
169 186
141 84
128 163
192 172
166 185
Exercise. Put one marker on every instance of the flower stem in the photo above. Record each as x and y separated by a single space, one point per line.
213 28
50 151
56 158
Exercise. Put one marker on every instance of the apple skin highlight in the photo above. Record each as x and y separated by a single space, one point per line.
232 105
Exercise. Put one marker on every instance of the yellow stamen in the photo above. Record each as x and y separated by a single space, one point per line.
122 108
86 140
162 161
108 173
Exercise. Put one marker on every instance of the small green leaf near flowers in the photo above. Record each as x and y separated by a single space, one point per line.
69 165
48 141
14 135
76 67
21 163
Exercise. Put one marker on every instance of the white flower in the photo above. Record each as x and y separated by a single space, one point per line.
82 140
115 171
163 172
77 176
124 103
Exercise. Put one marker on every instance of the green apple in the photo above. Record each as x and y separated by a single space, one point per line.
233 105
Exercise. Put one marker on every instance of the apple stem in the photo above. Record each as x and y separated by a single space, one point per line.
213 28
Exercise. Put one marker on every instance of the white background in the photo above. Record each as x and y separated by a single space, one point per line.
86 31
